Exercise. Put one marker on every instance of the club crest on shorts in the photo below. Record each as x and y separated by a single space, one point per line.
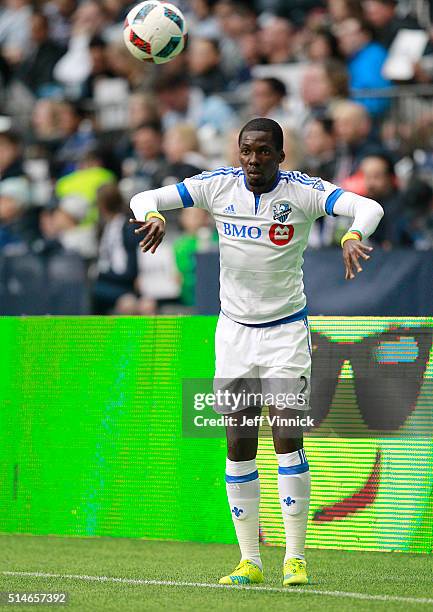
281 211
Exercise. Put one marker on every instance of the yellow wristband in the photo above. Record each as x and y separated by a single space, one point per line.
351 236
154 213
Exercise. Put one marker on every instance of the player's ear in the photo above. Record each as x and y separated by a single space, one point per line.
282 156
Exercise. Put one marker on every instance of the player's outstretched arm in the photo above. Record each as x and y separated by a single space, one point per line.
367 215
146 206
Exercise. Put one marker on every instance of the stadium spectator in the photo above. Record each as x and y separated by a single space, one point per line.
44 136
124 65
64 226
320 148
77 138
381 185
202 23
11 160
181 103
353 129
322 45
142 109
204 60
322 85
235 18
251 53
193 221
339 10
365 59
182 151
417 220
277 40
42 54
74 67
18 222
99 66
116 264
15 21
59 13
267 99
293 148
147 156
90 175
382 16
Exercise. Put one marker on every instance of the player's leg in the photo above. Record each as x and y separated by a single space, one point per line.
288 347
294 492
234 348
243 493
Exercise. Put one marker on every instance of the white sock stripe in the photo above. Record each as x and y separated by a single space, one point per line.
240 468
286 460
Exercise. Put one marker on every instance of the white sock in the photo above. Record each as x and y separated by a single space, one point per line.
294 489
243 492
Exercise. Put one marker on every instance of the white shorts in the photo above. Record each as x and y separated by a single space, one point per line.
267 360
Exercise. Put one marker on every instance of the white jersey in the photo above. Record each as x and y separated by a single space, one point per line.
262 238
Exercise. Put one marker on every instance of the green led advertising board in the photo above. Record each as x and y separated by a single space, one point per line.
92 444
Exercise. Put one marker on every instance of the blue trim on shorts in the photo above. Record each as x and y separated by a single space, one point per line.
297 316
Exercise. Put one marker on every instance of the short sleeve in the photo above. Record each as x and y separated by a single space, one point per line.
194 191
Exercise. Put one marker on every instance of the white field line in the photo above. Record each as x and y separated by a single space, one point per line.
306 590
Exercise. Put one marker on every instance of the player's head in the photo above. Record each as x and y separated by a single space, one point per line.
261 150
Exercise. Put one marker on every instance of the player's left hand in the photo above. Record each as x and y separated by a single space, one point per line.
154 232
352 251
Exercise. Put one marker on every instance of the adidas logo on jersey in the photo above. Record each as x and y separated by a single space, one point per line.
230 209
319 185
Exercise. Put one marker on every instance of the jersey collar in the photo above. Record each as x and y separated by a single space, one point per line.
275 183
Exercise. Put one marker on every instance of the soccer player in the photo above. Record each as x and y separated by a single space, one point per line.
263 217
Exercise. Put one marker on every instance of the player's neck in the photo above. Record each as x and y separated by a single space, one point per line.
269 186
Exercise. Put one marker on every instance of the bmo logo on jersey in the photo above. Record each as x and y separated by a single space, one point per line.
281 234
242 231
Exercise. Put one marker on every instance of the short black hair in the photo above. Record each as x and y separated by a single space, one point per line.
262 124
325 121
384 157
276 85
168 82
155 126
12 137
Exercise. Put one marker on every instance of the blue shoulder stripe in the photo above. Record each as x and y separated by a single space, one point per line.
330 201
185 195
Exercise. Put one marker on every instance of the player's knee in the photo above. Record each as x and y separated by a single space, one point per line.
292 506
241 449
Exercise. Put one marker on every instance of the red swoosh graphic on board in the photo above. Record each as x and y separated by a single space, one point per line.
363 498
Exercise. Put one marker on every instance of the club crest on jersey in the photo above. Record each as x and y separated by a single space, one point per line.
281 211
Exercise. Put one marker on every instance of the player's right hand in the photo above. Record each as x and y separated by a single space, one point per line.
154 232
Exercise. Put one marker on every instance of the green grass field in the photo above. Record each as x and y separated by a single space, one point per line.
339 580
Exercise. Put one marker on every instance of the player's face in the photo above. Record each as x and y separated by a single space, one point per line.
259 158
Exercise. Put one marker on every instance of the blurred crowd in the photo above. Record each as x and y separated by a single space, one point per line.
84 126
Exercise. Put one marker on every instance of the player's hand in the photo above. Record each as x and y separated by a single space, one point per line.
154 232
352 251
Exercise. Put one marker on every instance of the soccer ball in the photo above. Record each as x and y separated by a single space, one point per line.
155 31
